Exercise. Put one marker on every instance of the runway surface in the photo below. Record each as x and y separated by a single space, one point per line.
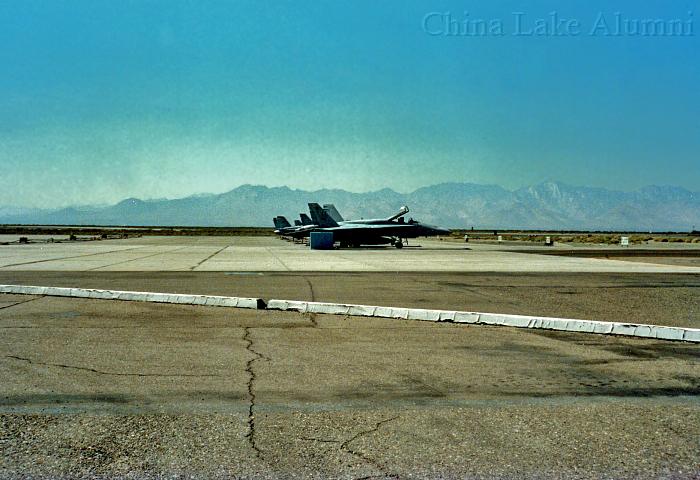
116 388
135 390
266 254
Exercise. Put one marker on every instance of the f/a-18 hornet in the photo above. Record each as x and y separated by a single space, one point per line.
353 233
300 228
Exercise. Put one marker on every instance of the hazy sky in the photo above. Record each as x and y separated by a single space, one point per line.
102 100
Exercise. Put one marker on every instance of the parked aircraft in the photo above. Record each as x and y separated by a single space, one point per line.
379 231
298 230
281 222
375 231
283 227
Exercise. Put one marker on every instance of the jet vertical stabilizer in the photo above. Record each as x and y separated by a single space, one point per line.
305 220
333 212
320 216
284 223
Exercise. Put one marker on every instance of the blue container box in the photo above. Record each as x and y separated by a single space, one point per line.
321 240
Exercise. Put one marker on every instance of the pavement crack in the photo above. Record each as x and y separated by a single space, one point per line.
209 257
345 446
22 302
134 259
68 258
101 372
321 440
252 377
312 316
276 257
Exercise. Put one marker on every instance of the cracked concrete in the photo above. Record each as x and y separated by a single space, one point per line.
344 445
380 466
351 398
100 372
322 440
121 357
312 295
251 434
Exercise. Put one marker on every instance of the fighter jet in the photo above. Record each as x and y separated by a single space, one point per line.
281 222
283 227
300 228
379 231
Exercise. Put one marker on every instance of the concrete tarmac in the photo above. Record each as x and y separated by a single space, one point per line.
120 389
246 254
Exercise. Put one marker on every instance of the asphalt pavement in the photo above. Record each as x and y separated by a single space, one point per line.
137 390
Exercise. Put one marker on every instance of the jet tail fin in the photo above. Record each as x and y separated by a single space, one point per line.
333 212
284 223
320 216
305 220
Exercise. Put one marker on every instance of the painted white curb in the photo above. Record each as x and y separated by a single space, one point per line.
519 321
208 300
454 316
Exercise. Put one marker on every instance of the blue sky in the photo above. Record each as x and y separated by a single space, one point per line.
103 100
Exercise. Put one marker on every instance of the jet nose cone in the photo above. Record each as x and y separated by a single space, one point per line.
435 230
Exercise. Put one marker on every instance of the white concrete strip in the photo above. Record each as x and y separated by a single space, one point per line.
208 300
519 321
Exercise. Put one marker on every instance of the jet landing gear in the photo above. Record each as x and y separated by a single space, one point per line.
398 243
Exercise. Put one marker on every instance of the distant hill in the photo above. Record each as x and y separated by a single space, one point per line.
549 205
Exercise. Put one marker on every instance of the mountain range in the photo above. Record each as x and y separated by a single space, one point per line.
548 205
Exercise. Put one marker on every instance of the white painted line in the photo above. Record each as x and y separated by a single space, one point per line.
208 300
518 321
